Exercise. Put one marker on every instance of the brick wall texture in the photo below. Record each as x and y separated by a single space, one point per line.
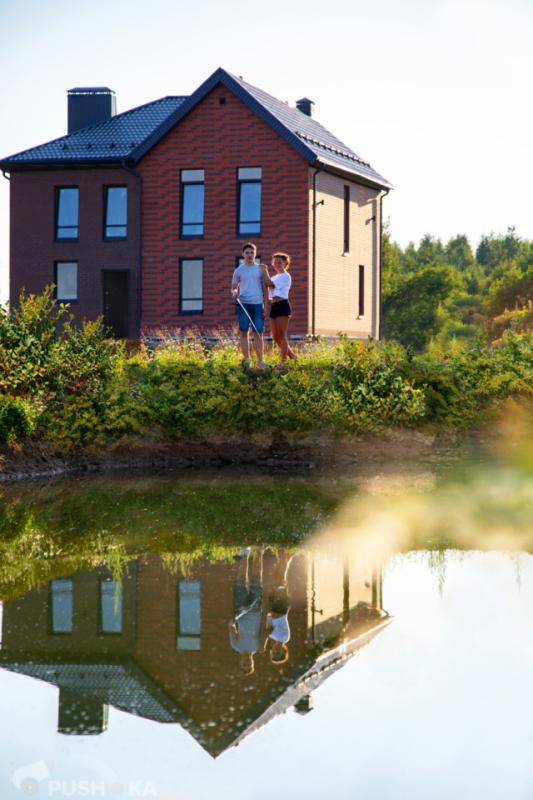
337 275
34 251
219 139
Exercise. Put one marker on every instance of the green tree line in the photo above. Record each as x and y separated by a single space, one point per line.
438 292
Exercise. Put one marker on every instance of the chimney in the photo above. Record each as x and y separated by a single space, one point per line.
305 704
80 713
89 105
306 106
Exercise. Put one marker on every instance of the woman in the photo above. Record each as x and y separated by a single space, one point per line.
280 309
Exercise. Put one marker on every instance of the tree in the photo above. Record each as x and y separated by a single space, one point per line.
411 312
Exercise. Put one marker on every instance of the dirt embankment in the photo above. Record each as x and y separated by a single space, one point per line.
306 454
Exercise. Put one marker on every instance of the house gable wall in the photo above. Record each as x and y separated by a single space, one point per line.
219 138
337 275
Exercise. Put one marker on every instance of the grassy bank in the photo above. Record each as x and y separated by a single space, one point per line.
73 393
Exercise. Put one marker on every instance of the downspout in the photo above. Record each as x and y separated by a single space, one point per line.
313 273
381 256
6 176
138 309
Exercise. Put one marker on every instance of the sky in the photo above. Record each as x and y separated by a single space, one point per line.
435 94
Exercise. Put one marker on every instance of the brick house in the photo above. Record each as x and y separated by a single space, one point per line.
141 216
155 643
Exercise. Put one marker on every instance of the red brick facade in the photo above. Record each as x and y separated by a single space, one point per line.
219 139
34 249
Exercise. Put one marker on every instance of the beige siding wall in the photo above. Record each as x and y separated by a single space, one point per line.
337 274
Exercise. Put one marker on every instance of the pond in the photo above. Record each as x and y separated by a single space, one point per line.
136 660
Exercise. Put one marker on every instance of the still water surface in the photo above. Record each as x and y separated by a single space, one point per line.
133 616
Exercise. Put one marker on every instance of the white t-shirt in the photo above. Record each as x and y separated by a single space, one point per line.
280 628
250 282
282 283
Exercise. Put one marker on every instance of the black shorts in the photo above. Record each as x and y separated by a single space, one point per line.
281 308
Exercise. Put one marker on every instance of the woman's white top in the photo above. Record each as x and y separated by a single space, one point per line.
282 284
280 628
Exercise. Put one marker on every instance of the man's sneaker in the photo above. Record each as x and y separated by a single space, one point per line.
263 365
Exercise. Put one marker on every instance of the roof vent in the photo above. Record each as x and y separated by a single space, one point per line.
89 105
306 106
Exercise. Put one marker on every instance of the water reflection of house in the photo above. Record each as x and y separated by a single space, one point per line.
156 644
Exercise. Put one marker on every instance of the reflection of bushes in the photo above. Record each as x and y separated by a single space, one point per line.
81 524
76 391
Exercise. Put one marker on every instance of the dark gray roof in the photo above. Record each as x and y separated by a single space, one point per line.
109 141
323 144
132 134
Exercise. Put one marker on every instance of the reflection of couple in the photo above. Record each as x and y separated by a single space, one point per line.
245 628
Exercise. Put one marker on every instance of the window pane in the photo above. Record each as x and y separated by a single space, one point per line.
249 227
189 608
111 606
193 205
62 605
196 175
249 173
192 285
117 205
250 209
67 280
67 214
191 305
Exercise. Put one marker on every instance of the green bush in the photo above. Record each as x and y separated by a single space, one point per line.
17 419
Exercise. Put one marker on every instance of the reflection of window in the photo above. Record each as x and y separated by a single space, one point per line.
67 213
61 605
192 286
249 187
189 619
116 212
192 202
67 281
111 606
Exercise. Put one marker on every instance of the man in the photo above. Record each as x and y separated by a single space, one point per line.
249 287
245 627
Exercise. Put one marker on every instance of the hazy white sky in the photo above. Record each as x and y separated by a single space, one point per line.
434 93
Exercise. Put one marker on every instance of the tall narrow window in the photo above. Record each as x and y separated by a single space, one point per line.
67 212
110 606
116 212
346 219
61 605
189 615
66 281
249 193
361 301
192 202
192 286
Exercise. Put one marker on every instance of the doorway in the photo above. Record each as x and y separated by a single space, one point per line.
115 301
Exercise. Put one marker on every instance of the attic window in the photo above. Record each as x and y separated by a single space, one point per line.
222 101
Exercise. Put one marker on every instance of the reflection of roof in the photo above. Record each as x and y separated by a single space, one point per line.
119 684
312 677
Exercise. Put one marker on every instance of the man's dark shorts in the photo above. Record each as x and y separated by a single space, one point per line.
246 597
